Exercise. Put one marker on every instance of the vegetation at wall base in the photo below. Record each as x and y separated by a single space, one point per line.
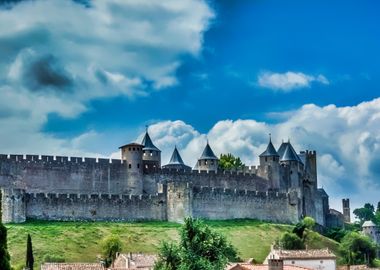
4 255
66 241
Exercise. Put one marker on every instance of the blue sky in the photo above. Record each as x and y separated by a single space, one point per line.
247 38
84 77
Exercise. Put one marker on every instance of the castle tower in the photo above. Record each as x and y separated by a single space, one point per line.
179 201
289 158
13 206
208 161
346 210
176 162
270 166
132 156
151 154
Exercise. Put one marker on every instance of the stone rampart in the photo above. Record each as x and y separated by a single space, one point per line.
220 179
95 207
219 204
59 174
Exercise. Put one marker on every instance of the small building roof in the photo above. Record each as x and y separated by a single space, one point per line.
148 144
303 254
369 223
248 266
131 144
72 266
208 153
270 151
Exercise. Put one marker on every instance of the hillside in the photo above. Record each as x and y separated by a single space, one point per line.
79 241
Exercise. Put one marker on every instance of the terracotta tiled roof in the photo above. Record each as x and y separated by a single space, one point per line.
248 266
304 254
137 261
72 266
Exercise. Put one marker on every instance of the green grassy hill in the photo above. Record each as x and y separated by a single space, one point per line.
79 241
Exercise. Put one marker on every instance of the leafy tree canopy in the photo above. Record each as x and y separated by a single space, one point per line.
199 248
110 246
357 249
291 241
230 162
365 213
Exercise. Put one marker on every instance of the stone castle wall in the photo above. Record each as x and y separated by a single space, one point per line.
58 174
63 188
221 179
95 207
219 204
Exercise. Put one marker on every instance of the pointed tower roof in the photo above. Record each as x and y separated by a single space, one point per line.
147 142
270 151
287 153
176 157
176 162
208 153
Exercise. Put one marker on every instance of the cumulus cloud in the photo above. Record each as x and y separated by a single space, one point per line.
56 56
346 139
288 81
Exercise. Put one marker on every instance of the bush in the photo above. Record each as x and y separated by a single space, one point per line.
291 241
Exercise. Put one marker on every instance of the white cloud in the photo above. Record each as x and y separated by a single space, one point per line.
346 139
288 81
56 56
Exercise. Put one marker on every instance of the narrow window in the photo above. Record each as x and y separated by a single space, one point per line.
212 162
138 165
129 149
274 159
134 149
266 159
130 166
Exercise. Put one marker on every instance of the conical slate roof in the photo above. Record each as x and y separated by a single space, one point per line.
287 153
148 144
176 158
208 153
270 151
176 162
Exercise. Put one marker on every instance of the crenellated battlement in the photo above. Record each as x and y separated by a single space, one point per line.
58 159
240 192
91 197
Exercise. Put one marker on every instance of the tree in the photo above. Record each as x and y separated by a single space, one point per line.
309 222
358 249
291 241
365 213
200 248
378 208
29 254
111 245
230 162
169 257
4 255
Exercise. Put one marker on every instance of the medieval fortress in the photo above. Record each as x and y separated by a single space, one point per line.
283 188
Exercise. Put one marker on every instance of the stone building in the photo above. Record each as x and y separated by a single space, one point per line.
317 259
282 188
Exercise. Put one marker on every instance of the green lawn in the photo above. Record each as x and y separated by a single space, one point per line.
79 241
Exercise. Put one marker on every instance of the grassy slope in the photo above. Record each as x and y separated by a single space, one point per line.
79 242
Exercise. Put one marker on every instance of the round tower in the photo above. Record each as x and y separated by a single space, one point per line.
151 154
208 161
132 156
